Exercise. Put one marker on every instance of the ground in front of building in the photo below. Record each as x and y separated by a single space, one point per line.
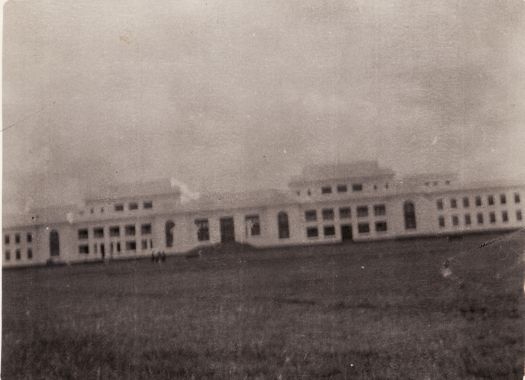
424 308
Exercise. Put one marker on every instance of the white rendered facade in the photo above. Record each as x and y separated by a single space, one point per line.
326 204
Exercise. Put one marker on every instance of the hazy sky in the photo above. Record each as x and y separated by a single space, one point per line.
233 95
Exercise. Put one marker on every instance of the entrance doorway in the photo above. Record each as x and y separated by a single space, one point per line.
54 243
227 230
346 232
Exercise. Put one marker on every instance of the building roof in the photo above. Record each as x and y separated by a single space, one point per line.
252 199
133 190
358 169
40 216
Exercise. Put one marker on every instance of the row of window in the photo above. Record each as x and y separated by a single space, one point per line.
7 238
132 206
18 254
477 200
329 231
344 212
114 231
115 247
479 218
341 188
436 183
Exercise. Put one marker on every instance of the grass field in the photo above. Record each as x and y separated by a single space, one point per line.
376 311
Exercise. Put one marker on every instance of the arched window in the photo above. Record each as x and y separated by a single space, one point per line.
168 229
54 243
284 227
409 211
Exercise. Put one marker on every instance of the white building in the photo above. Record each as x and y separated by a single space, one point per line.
326 204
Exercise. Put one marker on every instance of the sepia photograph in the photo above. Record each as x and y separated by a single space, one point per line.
293 189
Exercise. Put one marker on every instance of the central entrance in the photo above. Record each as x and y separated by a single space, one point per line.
227 230
346 232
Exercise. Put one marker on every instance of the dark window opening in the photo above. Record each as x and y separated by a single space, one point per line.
168 232
18 255
133 206
17 238
410 215
326 190
329 231
492 217
83 234
379 210
328 214
490 200
29 237
6 239
468 221
145 229
284 227
98 232
518 215
114 231
310 215
29 253
439 204
312 232
147 204
362 211
480 218
381 226
130 230
345 212
466 202
478 201
505 216
359 187
455 220
203 230
441 221
83 249
502 199
342 188
119 207
253 225
453 203
517 198
131 245
363 228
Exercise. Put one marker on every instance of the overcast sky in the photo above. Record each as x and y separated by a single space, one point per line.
233 95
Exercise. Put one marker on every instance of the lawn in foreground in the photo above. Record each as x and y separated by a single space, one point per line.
378 310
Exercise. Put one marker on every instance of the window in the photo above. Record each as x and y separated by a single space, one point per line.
312 232
447 182
362 211
29 253
282 223
18 255
518 215
253 225
517 198
328 214
467 220
363 228
119 207
359 187
379 210
441 221
478 200
480 218
95 248
92 211
504 216
310 215
133 206
131 245
492 217
439 204
502 199
410 215
455 220
203 230
344 212
168 232
98 232
144 244
29 237
326 190
54 243
147 204
466 202
130 230
114 231
375 187
329 231
453 203
145 229
7 255
309 192
118 246
83 249
381 226
6 239
490 200
83 234
17 238
342 188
